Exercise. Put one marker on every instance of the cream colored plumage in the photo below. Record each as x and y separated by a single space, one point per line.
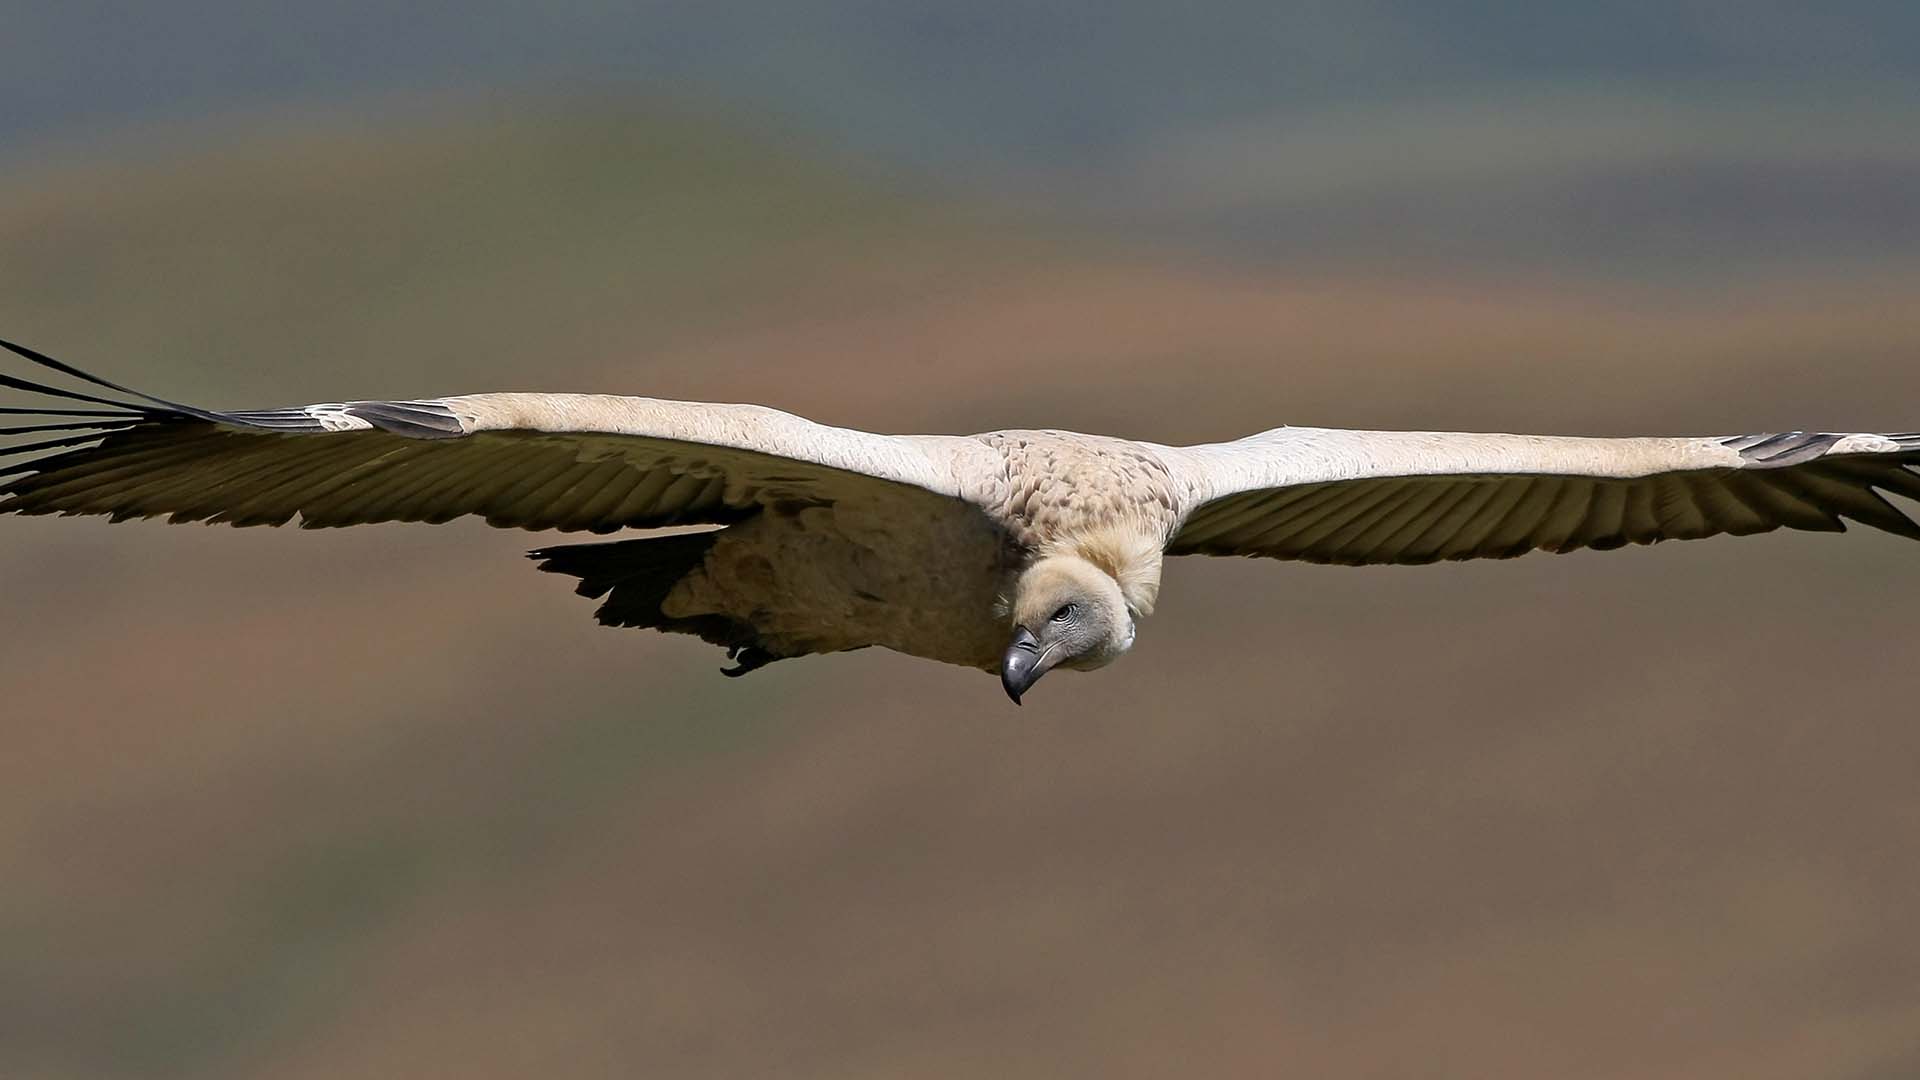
1015 551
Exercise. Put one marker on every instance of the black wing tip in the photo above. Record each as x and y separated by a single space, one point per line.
409 419
31 449
34 355
153 407
122 408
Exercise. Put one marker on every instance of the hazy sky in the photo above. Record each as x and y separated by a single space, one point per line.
989 82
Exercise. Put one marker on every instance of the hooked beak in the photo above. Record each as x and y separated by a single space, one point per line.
1020 667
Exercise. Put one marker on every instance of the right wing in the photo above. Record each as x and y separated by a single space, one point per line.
1363 497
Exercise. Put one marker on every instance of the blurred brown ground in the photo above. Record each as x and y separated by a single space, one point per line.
386 802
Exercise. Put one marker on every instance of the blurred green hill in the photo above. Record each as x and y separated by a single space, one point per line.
387 802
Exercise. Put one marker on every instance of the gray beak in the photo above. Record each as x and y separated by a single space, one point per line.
1020 667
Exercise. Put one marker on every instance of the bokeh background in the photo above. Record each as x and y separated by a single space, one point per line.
386 802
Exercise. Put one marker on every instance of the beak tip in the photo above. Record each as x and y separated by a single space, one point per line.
1018 668
1012 681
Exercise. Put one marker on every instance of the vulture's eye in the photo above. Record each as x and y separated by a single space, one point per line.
1065 614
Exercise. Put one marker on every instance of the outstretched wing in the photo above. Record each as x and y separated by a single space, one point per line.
1362 497
530 461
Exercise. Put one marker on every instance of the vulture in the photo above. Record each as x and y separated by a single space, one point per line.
1015 552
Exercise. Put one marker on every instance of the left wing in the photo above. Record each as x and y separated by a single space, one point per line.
530 461
1363 497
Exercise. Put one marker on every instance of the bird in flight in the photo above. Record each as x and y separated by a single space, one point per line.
1014 552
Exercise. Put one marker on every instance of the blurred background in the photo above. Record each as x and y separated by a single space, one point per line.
387 802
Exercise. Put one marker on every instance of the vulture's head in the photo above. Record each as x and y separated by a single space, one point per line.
1068 613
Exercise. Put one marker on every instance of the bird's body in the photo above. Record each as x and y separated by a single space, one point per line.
1016 551
931 577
